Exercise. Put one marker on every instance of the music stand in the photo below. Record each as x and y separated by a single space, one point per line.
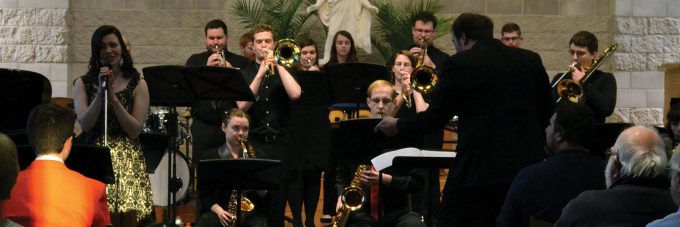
21 91
432 164
153 145
172 85
238 174
89 160
349 82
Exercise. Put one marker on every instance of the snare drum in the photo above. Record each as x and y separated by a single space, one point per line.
159 179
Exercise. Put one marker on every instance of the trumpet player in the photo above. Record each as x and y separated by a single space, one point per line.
274 87
214 212
308 56
397 183
408 101
217 54
205 129
423 30
600 87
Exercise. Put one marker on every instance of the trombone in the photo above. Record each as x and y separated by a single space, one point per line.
286 53
571 90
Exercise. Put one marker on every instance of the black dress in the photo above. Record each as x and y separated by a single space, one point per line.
132 190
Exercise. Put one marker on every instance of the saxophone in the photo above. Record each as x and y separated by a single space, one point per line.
352 198
246 205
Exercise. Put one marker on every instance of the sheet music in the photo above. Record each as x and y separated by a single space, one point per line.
385 160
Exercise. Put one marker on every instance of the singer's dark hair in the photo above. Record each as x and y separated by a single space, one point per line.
127 68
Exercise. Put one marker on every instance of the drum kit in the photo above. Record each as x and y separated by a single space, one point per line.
160 121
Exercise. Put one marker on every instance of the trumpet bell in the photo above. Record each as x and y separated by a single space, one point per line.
424 78
287 52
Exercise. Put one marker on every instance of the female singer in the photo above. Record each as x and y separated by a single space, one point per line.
111 69
409 101
308 57
343 50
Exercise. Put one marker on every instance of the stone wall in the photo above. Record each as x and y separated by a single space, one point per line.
52 37
33 36
649 34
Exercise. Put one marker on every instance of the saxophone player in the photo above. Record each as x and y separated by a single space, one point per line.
396 183
214 205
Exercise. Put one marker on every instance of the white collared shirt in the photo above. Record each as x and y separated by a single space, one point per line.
52 157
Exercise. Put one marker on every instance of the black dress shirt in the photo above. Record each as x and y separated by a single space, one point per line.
269 113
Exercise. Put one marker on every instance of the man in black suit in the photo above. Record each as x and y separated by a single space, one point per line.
205 129
502 97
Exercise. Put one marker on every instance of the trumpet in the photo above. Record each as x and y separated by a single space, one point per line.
571 90
423 77
407 97
218 51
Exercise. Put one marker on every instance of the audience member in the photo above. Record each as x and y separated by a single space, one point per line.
672 219
47 193
637 186
543 189
9 169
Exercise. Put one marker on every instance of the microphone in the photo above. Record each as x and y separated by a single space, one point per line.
105 65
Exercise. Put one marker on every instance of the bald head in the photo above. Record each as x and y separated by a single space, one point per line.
640 151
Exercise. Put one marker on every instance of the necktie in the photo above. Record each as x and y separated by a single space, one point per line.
374 199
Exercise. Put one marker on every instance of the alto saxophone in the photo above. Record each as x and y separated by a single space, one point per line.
247 206
352 198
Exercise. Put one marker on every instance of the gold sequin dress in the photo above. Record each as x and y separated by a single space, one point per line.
132 190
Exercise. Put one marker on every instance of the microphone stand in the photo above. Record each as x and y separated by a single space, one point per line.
106 112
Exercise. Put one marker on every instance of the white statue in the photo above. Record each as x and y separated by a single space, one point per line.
353 16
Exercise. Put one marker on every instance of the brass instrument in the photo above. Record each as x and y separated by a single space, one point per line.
218 51
352 198
247 206
286 53
423 77
571 90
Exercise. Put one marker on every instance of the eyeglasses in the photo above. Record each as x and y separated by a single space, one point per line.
507 39
384 101
611 152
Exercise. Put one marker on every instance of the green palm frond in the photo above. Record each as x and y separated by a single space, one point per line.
287 17
249 13
394 24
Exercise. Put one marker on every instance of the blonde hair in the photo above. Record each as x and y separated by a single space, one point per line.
380 83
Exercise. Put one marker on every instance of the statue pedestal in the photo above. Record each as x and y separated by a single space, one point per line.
671 85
